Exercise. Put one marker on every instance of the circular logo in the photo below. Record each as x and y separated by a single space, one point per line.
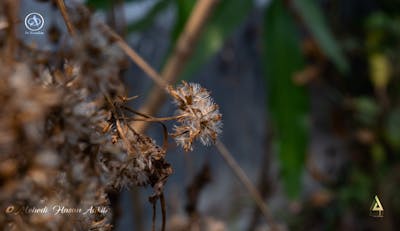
34 21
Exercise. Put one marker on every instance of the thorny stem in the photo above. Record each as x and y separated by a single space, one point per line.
247 183
67 20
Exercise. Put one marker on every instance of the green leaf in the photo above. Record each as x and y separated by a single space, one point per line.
314 20
148 19
224 19
288 103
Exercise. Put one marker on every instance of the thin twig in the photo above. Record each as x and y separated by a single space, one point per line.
67 20
152 119
163 211
135 57
264 181
162 119
193 191
153 226
247 183
174 65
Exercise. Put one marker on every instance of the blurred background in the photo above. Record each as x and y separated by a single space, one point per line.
309 91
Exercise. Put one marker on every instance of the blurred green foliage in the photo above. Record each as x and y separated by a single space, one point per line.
314 20
287 103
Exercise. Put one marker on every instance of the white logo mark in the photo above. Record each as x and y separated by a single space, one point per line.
34 21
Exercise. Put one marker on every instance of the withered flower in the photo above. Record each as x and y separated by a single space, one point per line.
199 117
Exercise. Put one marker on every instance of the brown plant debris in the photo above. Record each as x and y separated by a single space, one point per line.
65 138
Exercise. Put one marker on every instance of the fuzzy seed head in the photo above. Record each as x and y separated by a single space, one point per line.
199 116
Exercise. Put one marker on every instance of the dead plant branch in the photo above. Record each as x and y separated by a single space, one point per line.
163 212
135 57
67 20
247 183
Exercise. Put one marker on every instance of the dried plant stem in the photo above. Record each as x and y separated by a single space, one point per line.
149 118
163 211
174 65
135 57
264 180
247 183
64 13
153 226
152 119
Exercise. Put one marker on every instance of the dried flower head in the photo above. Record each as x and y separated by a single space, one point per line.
139 161
199 117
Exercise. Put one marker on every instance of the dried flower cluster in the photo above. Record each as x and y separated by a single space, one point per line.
65 133
199 115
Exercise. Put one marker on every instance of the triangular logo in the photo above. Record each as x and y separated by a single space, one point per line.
376 209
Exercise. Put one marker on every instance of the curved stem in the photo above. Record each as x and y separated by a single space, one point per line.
149 118
247 183
155 119
163 211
